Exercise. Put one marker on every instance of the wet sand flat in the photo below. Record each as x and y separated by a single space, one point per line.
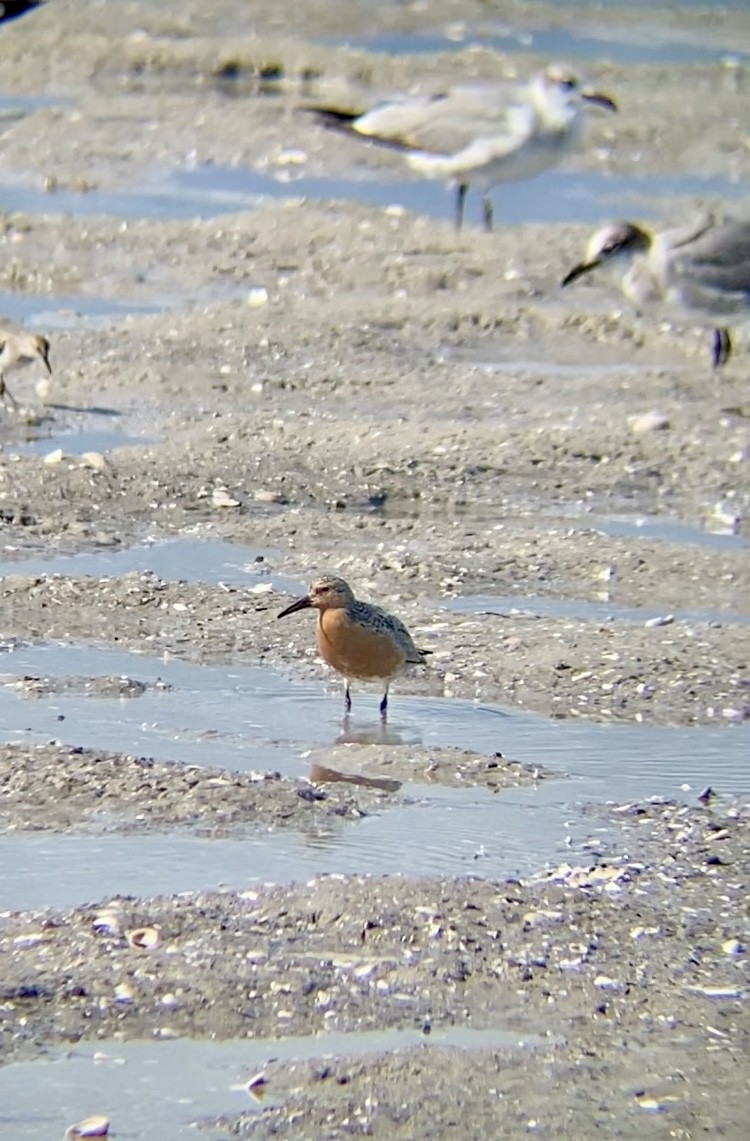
274 357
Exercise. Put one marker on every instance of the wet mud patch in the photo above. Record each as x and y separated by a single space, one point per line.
495 1092
58 787
362 761
585 955
104 687
168 1089
675 673
62 788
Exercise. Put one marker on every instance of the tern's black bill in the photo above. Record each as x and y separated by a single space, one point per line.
578 271
599 99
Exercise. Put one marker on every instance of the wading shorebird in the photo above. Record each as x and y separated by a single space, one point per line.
480 133
702 267
17 350
358 639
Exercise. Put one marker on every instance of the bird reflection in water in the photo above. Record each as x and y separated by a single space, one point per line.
321 774
370 733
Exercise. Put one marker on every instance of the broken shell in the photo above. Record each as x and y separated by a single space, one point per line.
43 388
220 497
97 1126
267 495
124 993
650 1104
660 620
723 521
654 421
31 939
94 460
107 923
143 938
291 156
255 1086
257 297
604 982
718 991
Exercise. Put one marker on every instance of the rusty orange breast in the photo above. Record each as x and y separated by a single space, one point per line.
354 650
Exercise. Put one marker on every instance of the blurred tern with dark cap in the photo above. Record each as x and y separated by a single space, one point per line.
703 267
481 133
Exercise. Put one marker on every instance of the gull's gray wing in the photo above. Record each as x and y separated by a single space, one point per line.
718 258
447 124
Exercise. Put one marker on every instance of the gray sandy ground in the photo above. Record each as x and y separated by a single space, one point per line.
639 988
430 416
684 672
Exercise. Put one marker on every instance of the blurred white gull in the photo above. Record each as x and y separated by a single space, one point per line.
480 133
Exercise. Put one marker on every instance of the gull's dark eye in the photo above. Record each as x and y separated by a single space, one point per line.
568 84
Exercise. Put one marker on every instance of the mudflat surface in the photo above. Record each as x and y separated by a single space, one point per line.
614 983
258 348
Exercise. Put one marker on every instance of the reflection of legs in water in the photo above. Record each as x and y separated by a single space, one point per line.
367 733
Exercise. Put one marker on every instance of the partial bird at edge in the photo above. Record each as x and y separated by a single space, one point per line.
700 267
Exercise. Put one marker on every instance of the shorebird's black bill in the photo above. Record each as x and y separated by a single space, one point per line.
300 604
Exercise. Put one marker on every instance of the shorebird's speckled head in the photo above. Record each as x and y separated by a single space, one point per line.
329 592
19 348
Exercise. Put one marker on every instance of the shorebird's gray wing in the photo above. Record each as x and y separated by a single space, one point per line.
379 621
414 656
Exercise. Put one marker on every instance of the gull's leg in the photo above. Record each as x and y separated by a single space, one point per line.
487 213
461 191
722 347
347 697
384 705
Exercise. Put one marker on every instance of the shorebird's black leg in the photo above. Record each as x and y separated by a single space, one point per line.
347 697
6 392
384 705
722 347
